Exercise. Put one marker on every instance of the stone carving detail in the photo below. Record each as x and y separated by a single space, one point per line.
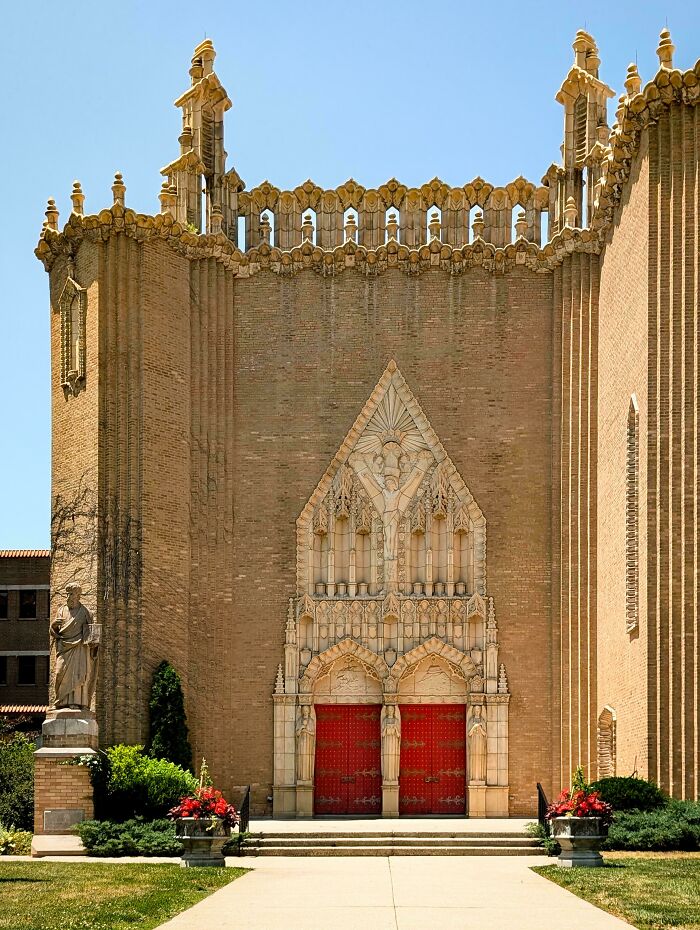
391 604
476 733
76 639
391 744
391 515
72 306
306 743
607 723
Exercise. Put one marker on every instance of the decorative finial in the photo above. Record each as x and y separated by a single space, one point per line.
434 225
351 228
392 365
570 213
265 229
185 139
78 198
521 226
51 214
502 680
307 228
478 225
118 189
665 50
205 54
392 227
633 82
168 198
279 680
216 219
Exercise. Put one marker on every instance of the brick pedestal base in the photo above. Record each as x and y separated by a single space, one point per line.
62 793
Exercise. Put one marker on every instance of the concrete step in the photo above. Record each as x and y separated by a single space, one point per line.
441 849
384 841
372 836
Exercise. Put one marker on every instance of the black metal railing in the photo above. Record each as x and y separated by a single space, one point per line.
245 811
542 806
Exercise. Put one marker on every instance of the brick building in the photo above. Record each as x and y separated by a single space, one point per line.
24 633
403 481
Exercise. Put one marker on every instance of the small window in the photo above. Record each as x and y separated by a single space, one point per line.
26 670
3 670
27 605
3 605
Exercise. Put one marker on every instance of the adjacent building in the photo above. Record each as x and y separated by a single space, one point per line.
24 631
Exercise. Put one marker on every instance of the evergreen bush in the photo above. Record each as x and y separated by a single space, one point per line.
627 793
130 838
675 827
17 781
168 735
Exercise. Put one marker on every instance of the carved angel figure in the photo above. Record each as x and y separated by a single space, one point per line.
391 491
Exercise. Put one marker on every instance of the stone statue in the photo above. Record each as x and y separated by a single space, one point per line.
76 640
391 743
391 496
306 744
476 732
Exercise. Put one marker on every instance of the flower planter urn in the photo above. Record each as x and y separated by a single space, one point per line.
580 839
203 838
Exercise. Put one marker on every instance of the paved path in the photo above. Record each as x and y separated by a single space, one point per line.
397 893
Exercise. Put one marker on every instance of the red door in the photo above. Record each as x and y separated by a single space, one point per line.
348 770
432 777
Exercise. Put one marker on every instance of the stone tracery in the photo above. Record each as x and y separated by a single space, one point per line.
391 602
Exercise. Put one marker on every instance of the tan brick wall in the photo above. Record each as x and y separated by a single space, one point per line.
58 786
622 371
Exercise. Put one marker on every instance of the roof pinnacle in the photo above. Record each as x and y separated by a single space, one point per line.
665 50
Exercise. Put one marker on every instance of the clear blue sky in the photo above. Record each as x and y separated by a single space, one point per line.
322 90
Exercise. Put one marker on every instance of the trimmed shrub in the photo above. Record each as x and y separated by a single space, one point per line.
168 736
14 842
130 838
17 781
627 793
138 786
674 827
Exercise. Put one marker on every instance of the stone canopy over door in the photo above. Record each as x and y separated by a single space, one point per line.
392 612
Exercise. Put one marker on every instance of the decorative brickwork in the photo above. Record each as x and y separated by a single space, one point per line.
230 375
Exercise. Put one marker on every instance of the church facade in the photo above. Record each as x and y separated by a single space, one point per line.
403 481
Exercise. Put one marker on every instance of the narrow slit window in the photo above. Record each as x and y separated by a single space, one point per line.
632 518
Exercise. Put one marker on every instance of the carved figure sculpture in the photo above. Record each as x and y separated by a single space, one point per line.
76 644
391 744
476 732
306 744
391 496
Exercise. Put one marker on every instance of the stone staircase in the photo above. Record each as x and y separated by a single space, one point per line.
357 843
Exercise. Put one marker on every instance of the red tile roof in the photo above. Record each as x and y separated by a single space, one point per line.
25 553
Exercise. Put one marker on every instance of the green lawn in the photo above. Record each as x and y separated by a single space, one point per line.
100 895
650 893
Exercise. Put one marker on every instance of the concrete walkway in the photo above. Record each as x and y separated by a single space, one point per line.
412 893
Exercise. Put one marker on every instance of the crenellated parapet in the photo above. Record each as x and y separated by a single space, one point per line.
206 211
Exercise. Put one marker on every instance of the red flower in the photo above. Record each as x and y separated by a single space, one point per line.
206 802
580 804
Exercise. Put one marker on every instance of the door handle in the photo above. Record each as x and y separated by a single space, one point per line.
429 778
347 778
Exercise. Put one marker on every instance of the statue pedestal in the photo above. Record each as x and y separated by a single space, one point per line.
63 793
390 800
65 727
305 800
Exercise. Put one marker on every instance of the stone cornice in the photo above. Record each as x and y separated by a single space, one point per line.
668 88
435 254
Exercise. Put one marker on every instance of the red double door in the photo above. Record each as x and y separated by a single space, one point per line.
432 778
348 769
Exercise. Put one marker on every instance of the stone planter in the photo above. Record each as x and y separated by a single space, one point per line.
203 839
580 839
